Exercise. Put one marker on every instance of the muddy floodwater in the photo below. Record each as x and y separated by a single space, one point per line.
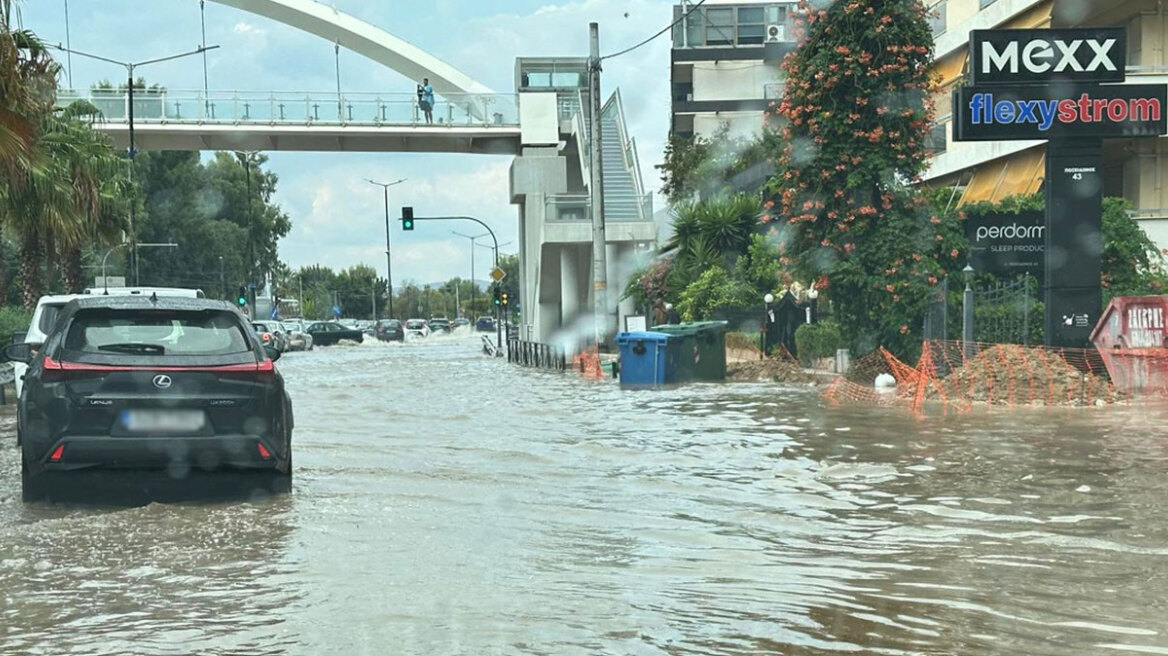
447 503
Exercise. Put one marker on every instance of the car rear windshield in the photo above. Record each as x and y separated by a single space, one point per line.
156 332
415 324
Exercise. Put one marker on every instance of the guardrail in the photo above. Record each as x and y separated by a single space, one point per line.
243 107
537 355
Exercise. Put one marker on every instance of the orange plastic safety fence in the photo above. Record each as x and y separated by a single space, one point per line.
587 362
959 376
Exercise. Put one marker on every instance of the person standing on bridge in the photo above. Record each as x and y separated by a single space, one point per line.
426 99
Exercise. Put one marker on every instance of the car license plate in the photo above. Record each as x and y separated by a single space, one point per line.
164 421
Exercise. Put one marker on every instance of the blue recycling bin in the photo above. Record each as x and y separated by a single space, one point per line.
647 359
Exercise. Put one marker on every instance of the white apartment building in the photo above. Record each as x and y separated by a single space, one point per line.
724 65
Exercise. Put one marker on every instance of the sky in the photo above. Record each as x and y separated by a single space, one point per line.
337 217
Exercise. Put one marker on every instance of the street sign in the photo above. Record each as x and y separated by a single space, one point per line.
498 274
336 310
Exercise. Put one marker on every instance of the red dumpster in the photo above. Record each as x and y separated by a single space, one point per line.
1131 336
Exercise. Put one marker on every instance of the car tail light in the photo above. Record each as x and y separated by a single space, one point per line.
57 453
264 453
54 371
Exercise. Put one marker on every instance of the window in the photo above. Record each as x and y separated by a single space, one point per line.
936 141
937 18
720 27
751 25
986 3
1135 41
49 314
162 332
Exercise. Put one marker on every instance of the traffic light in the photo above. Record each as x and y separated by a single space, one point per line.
407 218
498 298
504 298
241 297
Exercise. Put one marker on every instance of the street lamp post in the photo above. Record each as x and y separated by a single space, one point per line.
473 243
388 265
764 334
130 66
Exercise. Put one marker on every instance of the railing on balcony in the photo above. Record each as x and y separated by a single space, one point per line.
234 107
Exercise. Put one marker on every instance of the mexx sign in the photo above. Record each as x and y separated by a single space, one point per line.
1030 56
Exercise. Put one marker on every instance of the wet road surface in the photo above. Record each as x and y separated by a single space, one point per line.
446 503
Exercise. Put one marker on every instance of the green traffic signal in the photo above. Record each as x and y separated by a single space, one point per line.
407 218
241 298
497 299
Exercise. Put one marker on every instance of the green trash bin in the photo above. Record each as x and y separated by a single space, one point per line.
702 351
711 342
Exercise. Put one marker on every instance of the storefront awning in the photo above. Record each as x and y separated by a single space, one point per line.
1021 173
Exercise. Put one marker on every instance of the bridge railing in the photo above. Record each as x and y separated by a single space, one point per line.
233 107
537 355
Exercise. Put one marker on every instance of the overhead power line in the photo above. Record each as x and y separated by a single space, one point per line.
663 31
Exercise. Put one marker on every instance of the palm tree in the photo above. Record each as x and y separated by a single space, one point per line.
27 93
74 194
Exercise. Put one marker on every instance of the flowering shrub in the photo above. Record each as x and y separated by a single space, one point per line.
856 113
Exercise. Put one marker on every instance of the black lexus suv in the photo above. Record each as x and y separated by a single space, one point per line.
159 384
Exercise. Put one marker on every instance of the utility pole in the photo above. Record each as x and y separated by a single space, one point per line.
373 297
599 257
222 282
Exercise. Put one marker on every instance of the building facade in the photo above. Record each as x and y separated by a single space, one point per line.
725 64
1134 169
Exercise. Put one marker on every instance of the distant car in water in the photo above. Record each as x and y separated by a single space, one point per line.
328 333
417 328
298 337
485 325
439 325
389 330
365 326
129 384
271 332
459 323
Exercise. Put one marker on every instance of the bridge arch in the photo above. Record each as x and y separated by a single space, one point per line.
363 39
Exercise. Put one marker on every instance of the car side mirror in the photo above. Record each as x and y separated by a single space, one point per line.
22 352
272 352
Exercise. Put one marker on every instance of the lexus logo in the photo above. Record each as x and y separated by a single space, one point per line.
162 381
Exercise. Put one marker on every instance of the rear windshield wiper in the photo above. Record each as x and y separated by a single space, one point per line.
134 347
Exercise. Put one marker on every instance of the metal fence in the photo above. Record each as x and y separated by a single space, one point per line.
536 355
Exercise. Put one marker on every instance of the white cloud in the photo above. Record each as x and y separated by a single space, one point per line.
338 217
246 28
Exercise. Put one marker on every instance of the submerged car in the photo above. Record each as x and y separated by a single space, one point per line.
298 337
485 325
328 333
389 330
127 383
417 328
272 332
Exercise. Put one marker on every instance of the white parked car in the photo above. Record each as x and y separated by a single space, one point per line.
417 328
298 337
48 307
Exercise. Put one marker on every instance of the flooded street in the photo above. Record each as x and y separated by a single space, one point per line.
447 503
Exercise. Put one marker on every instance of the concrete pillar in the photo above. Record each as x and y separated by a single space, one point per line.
569 284
616 282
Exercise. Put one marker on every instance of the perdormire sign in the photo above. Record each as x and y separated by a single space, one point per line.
1053 111
1005 243
1033 56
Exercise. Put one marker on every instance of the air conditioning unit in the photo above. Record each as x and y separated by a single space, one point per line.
776 33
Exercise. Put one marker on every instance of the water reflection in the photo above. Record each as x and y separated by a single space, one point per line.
446 504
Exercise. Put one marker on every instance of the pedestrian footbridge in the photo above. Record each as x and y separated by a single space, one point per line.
544 125
478 123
